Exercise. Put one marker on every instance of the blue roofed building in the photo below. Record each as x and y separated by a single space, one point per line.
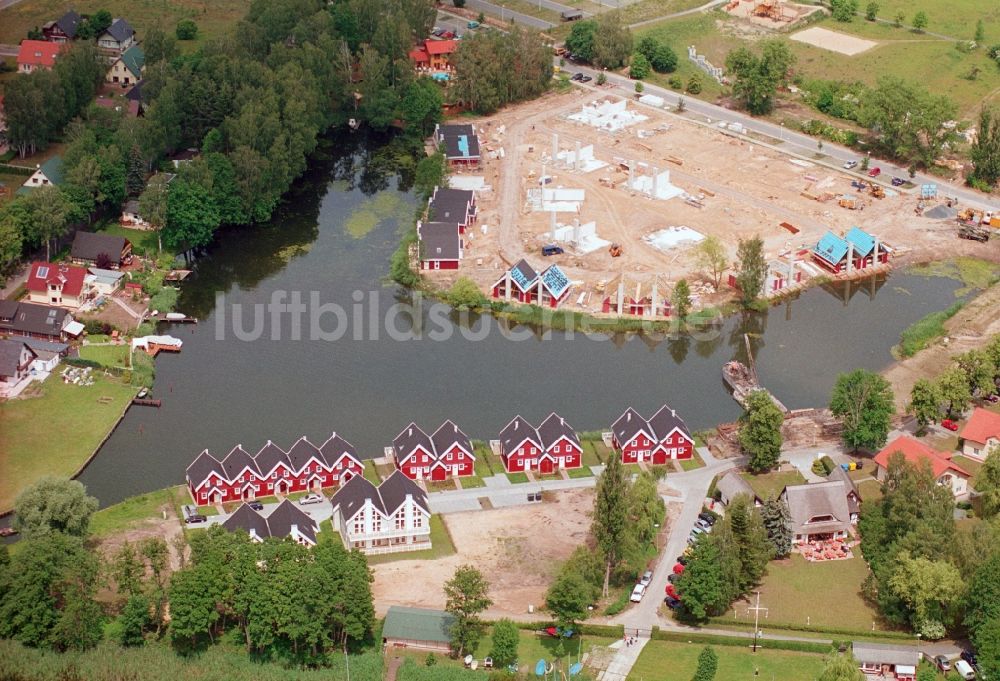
854 251
519 283
553 287
459 143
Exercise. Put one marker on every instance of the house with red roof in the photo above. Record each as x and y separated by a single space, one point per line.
980 434
946 472
62 285
434 55
37 54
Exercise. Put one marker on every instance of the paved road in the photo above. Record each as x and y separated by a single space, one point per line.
505 14
8 50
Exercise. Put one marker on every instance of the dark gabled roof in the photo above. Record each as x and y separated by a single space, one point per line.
409 439
664 421
8 308
516 432
450 205
301 452
628 426
449 435
523 274
396 488
287 514
439 241
38 319
269 456
352 495
120 30
69 23
89 245
246 519
236 461
203 466
334 448
460 141
134 93
554 428
10 356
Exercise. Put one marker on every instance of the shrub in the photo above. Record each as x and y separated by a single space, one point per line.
676 83
465 293
95 327
186 29
817 467
399 267
164 300
80 362
694 84
639 68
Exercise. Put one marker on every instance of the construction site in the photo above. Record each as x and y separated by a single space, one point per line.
775 14
619 194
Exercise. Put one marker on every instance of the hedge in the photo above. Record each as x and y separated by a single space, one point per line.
8 169
741 641
609 630
833 631
83 363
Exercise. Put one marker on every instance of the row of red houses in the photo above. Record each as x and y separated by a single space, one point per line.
450 212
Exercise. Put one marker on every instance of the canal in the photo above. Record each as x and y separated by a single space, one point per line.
330 245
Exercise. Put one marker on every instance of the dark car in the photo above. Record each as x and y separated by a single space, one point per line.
195 518
709 518
577 76
898 181
970 657
683 560
586 79
255 505
672 602
552 249
673 577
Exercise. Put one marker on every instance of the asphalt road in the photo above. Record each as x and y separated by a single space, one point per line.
8 50
497 10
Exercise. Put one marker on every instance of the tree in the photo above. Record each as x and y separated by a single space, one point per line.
186 29
985 150
153 206
193 611
494 68
899 19
979 371
602 78
580 41
920 22
778 522
752 271
840 667
980 35
135 171
843 10
49 212
711 255
987 483
639 88
430 173
756 77
708 663
53 505
127 571
871 11
681 299
694 84
158 46
465 293
639 68
192 215
953 386
982 602
701 586
568 597
760 432
467 594
929 588
133 621
660 56
610 521
420 106
753 549
906 121
506 639
612 41
863 402
925 401
987 643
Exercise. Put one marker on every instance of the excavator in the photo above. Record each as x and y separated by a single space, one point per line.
615 250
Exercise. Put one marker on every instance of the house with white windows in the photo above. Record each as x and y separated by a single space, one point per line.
393 517
287 520
447 453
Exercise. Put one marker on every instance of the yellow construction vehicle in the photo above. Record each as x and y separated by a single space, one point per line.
615 250
877 191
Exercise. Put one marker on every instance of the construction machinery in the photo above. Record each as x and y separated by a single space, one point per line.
878 191
974 233
970 217
849 201
615 250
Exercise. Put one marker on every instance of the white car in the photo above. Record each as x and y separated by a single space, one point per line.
646 578
311 499
964 669
848 165
637 593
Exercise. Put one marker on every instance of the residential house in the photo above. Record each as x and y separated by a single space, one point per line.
886 660
818 511
105 282
37 54
184 156
658 440
440 245
980 434
633 437
118 37
414 452
446 453
104 250
127 69
392 517
29 320
519 283
452 205
62 29
459 143
946 472
131 217
673 439
521 449
57 284
433 55
732 485
136 106
272 470
417 628
49 354
287 520
16 359
560 442
854 251
51 172
850 489
553 287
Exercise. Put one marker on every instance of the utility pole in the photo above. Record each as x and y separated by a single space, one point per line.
756 609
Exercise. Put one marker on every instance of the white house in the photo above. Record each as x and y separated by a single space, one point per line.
119 36
392 517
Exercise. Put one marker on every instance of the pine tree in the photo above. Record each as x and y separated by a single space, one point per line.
777 521
708 663
753 547
135 171
610 524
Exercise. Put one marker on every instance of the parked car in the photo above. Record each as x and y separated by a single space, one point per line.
448 35
682 559
949 424
577 76
637 593
993 398
552 249
678 569
964 669
311 499
697 530
195 518
255 505
672 602
472 25
942 663
970 657
848 165
875 172
673 577
898 181
703 524
646 578
586 79
709 518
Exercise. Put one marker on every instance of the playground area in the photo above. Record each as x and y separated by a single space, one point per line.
775 14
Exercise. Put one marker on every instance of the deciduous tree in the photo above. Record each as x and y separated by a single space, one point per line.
840 667
863 402
612 41
920 21
681 299
610 522
467 594
925 401
568 597
711 255
506 639
702 586
985 150
752 269
54 505
760 431
987 483
953 385
757 76
929 588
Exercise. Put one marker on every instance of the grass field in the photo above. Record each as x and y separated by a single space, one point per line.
143 241
371 473
692 463
135 509
517 478
870 490
669 661
797 592
581 472
55 432
970 465
212 16
472 482
955 18
441 546
107 355
770 484
595 452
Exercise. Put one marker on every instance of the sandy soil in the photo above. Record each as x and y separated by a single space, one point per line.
518 549
834 41
167 528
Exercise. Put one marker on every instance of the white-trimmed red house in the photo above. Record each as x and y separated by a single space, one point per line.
633 437
57 284
37 54
553 287
521 449
440 245
414 452
560 442
946 472
453 453
341 459
673 440
452 205
519 283
980 434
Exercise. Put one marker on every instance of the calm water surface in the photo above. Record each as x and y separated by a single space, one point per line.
334 236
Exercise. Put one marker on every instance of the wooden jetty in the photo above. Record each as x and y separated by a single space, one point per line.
742 379
146 402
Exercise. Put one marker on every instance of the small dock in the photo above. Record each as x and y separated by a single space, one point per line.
176 318
146 402
743 381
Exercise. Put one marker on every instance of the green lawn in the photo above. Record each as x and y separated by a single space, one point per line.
971 465
472 482
122 515
143 241
670 661
770 484
107 355
956 18
827 594
595 452
517 478
581 472
56 431
371 473
870 490
483 469
442 486
693 463
441 546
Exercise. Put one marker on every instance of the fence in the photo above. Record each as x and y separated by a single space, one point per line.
705 65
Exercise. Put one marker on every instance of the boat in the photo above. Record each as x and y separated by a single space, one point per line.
742 379
7 531
142 394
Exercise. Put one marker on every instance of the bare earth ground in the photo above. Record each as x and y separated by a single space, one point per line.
746 189
166 528
834 41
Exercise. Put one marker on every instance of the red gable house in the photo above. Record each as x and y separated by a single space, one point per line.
519 283
560 442
241 477
521 449
658 440
981 433
434 55
945 471
37 54
414 452
632 436
51 284
446 453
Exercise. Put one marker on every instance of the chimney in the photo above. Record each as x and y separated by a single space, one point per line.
628 416
517 422
410 432
562 421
